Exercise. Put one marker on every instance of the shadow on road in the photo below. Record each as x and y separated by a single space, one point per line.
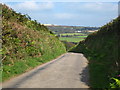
84 76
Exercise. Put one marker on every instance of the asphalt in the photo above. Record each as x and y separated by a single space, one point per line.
67 71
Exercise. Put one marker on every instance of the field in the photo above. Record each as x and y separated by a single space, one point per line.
72 37
73 34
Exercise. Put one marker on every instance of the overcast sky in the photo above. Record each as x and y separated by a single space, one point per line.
82 13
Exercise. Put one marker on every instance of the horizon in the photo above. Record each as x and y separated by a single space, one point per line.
87 14
65 25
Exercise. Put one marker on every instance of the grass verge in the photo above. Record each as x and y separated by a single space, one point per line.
23 66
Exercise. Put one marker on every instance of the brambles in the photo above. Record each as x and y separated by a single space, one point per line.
25 43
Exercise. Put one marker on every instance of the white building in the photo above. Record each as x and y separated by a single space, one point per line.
119 8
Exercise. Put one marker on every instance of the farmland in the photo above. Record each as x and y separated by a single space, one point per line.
72 33
72 37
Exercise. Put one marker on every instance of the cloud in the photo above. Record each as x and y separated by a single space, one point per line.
92 14
93 7
62 0
28 5
32 5
64 15
100 6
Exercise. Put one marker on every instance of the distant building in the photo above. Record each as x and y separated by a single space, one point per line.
119 8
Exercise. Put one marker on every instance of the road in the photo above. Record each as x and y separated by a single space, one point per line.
67 71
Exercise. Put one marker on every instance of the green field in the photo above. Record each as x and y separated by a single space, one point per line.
80 36
71 39
72 34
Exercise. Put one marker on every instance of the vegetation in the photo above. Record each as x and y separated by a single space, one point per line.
71 39
71 29
102 50
71 34
69 45
25 43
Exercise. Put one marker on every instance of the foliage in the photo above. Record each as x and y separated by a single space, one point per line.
25 43
73 34
70 29
102 50
71 39
115 84
69 45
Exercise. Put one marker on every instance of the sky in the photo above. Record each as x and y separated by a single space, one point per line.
78 13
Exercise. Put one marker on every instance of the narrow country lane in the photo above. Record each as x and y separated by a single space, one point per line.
68 71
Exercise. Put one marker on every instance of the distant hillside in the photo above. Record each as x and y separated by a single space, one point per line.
102 49
25 43
70 29
72 34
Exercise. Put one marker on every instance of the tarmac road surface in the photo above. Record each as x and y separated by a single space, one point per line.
70 70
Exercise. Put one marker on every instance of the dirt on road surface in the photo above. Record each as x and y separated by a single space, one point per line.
68 71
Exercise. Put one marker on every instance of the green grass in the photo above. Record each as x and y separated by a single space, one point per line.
72 34
71 39
81 36
98 66
23 66
25 44
98 70
102 50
